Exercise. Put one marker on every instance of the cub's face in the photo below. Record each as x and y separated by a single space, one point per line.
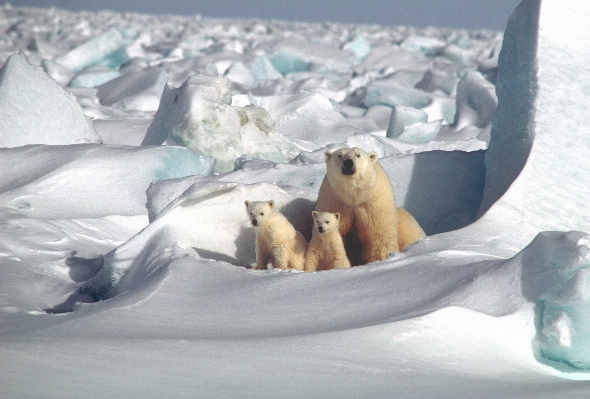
325 221
258 211
349 161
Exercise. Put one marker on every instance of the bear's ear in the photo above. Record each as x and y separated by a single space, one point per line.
327 155
246 203
314 214
271 203
337 215
373 155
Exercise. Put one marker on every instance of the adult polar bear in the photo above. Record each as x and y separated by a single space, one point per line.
371 224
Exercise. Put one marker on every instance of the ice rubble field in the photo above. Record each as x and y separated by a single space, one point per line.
130 142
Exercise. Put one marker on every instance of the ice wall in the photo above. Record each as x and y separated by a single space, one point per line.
538 162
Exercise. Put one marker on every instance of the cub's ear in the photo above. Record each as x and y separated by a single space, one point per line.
271 203
373 155
327 155
246 203
337 215
314 214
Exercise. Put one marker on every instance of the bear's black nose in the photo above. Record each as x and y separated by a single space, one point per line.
320 229
347 167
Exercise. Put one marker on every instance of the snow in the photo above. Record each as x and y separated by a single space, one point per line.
124 264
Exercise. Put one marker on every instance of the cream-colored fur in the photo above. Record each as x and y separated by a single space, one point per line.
326 249
277 241
357 187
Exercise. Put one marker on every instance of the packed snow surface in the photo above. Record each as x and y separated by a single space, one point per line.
129 143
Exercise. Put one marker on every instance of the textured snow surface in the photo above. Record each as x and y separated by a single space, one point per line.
129 144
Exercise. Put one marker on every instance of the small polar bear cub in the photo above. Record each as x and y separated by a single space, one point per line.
326 248
277 241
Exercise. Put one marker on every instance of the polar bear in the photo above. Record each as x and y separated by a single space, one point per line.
326 248
357 187
277 240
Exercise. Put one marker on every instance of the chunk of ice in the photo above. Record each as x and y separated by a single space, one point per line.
559 282
93 76
34 109
427 45
307 116
359 46
135 91
49 181
476 101
199 116
402 117
107 49
391 93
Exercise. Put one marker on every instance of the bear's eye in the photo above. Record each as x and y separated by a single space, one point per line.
358 155
261 213
339 155
327 222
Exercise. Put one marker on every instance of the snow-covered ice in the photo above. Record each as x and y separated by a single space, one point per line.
125 246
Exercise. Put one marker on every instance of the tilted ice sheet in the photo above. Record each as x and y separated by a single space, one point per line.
34 109
88 181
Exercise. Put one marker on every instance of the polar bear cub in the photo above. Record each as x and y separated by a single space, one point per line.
277 241
326 248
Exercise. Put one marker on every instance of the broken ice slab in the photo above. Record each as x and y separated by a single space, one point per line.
34 109
436 80
123 130
296 55
135 90
93 76
557 279
198 115
107 49
390 93
57 72
430 46
307 116
359 46
403 116
42 181
476 101
420 132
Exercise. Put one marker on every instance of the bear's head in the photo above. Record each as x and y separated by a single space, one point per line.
259 211
352 173
326 221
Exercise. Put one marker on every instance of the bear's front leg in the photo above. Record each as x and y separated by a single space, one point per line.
312 259
262 254
281 256
377 234
378 247
341 263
